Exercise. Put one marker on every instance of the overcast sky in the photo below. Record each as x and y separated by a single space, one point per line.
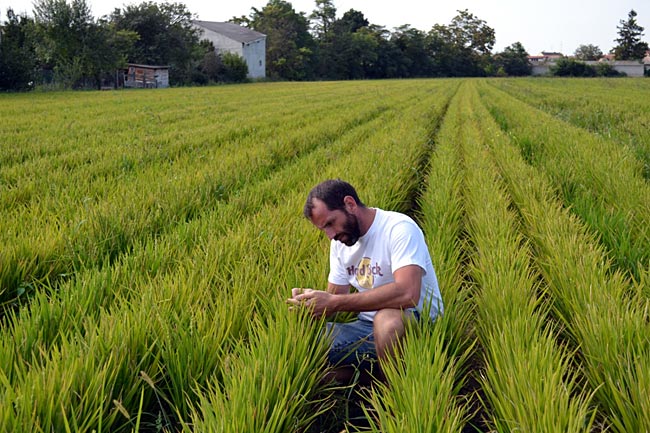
542 25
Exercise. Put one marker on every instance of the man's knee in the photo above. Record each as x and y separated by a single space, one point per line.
389 321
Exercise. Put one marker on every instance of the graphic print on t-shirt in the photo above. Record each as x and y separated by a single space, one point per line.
365 272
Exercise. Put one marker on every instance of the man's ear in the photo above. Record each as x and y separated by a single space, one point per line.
350 203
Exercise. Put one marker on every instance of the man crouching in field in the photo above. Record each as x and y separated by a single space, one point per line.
384 256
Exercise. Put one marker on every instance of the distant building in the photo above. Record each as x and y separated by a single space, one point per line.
546 56
541 64
146 76
232 38
631 68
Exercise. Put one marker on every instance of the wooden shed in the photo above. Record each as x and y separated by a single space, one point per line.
146 76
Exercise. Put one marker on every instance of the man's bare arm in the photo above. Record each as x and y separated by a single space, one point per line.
403 293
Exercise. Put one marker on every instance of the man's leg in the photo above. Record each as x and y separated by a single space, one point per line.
352 346
389 327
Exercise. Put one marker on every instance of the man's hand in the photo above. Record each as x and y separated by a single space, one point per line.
318 301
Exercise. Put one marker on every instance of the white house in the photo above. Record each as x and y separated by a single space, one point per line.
229 37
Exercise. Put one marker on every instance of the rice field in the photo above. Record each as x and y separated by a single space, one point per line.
149 240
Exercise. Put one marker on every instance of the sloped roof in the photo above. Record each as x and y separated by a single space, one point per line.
230 30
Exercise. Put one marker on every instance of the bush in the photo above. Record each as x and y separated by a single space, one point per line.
235 68
572 68
607 70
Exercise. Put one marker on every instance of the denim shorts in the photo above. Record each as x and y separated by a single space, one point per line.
353 342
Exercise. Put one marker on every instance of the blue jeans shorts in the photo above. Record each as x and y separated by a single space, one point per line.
353 342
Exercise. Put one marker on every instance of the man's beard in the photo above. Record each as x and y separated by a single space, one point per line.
351 230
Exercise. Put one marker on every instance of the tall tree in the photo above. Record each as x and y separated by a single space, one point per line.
415 61
472 33
629 41
63 31
323 17
462 48
76 47
350 49
17 57
165 36
588 52
289 45
351 21
514 60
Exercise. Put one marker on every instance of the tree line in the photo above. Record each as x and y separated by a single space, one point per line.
64 46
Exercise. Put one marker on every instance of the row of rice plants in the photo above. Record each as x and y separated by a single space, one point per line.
72 226
605 321
424 391
599 179
178 319
527 378
616 109
192 327
383 168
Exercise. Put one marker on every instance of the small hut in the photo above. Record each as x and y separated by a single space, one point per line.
146 76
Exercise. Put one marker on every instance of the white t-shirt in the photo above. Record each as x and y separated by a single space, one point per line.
393 241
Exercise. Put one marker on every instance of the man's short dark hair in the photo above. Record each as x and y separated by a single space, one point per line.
331 192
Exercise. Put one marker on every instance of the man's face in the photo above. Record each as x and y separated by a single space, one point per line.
339 225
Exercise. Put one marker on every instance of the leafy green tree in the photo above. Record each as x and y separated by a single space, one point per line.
351 21
472 33
442 50
414 61
514 60
77 49
289 45
588 52
235 69
390 60
462 48
348 50
630 46
165 37
18 61
64 31
323 17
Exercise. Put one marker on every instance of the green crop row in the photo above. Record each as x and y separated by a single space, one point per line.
528 379
599 179
604 317
424 387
